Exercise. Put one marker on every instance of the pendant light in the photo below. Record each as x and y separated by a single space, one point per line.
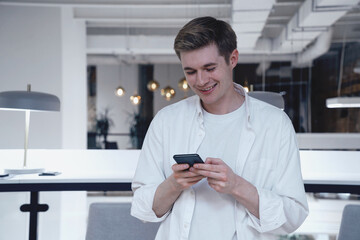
120 91
168 92
246 86
183 85
135 99
153 85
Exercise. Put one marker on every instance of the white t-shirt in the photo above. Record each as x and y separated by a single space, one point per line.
216 219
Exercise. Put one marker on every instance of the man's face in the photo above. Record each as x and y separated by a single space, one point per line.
209 76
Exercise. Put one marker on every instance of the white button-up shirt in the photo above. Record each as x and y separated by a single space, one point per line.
268 158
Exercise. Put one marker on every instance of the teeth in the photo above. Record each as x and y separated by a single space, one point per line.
207 89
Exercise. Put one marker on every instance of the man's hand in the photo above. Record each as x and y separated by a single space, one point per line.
170 189
219 175
222 179
182 178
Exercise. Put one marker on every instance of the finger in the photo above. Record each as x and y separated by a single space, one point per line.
189 181
195 179
180 167
213 181
185 174
208 167
213 161
209 174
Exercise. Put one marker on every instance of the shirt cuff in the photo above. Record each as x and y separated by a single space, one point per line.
271 211
141 206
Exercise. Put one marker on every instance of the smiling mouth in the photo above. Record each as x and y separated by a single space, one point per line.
209 89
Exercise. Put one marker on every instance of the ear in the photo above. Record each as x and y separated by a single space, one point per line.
234 57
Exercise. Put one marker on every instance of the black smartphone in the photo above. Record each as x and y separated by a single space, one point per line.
49 173
188 158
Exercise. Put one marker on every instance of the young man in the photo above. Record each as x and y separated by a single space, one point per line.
250 186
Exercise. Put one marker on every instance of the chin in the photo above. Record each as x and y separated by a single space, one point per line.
208 101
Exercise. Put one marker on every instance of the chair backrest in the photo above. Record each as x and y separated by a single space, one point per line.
112 221
350 223
272 98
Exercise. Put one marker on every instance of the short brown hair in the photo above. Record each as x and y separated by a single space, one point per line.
203 31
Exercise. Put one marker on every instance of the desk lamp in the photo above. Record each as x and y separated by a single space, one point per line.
27 101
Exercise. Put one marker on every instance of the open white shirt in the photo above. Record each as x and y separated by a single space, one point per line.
267 157
221 140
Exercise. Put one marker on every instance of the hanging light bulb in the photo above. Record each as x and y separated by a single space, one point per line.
153 85
246 86
119 91
135 99
168 92
183 85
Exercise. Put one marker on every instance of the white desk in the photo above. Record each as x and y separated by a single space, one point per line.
81 170
107 170
34 184
331 171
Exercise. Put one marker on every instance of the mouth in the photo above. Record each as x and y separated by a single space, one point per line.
208 89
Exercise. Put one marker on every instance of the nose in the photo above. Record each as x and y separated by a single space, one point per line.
201 78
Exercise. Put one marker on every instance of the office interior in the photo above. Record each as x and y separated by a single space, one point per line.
82 51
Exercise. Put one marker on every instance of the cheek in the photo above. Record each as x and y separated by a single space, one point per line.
191 81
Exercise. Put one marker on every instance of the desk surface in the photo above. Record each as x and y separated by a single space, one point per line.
62 182
111 182
109 170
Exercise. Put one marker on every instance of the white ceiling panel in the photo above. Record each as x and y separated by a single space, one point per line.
248 27
249 17
253 5
247 40
144 30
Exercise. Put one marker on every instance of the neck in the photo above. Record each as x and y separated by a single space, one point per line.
234 101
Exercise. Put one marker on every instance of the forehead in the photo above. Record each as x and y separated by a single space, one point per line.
200 57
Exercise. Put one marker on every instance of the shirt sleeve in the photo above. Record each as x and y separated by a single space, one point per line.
283 208
149 174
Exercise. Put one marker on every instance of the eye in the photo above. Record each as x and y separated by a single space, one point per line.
210 69
190 72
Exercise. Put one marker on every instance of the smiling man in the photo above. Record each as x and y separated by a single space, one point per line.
250 186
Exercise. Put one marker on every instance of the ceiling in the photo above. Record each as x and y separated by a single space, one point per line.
143 31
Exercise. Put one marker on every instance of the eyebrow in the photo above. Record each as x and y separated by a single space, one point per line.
204 66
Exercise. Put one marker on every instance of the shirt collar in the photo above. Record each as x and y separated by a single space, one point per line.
239 89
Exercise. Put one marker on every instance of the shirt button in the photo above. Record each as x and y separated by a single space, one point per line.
186 225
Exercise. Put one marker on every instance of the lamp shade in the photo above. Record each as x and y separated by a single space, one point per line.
27 100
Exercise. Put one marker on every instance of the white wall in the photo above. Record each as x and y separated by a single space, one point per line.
73 105
45 47
30 50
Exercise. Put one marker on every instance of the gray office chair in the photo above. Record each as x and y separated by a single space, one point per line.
112 221
272 98
350 223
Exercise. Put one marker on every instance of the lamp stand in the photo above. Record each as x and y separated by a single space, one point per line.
25 170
